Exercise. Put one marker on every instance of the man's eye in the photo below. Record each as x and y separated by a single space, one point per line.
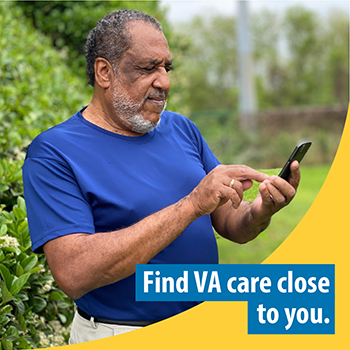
149 69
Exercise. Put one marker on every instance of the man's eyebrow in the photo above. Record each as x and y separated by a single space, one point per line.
156 62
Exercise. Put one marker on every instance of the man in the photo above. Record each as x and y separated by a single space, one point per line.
124 182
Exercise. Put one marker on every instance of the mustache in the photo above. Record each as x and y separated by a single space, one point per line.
157 94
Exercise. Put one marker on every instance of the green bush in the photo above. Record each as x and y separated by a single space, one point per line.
37 92
33 311
11 184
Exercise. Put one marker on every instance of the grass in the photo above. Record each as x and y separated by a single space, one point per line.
282 224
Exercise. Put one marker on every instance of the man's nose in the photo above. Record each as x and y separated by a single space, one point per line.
161 80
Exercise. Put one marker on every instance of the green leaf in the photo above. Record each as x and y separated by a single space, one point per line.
12 334
3 188
21 203
6 276
4 320
39 304
22 296
5 315
54 296
3 230
19 283
19 269
2 256
19 213
21 257
20 308
30 341
21 343
29 262
15 250
36 269
7 216
7 345
62 318
22 322
62 304
6 309
23 233
6 295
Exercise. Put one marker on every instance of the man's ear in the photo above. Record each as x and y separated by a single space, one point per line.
103 73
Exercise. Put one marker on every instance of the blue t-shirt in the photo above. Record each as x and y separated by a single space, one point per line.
79 178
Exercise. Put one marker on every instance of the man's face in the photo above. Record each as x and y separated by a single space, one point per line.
141 84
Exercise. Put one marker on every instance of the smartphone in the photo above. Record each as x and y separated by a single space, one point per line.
298 154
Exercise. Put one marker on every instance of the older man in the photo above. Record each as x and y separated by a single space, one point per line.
124 182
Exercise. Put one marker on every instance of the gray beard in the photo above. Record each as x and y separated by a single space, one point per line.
127 112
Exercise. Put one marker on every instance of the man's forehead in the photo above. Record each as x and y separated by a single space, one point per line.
142 27
143 32
148 43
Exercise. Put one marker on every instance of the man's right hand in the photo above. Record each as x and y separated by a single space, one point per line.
217 187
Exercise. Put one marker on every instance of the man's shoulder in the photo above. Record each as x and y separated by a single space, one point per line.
53 137
174 118
179 123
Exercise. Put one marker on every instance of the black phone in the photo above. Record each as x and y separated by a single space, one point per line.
298 154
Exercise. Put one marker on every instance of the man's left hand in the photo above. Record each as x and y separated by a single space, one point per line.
274 194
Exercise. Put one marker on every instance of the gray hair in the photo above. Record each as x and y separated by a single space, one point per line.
111 38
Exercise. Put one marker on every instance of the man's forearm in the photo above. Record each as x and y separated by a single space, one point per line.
83 262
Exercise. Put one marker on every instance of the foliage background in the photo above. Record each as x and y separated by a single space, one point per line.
42 82
300 60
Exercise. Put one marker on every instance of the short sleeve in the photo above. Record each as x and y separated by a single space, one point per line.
55 203
208 158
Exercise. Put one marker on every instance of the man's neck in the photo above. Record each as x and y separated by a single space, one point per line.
99 114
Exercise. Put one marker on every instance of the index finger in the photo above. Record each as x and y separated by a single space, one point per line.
243 172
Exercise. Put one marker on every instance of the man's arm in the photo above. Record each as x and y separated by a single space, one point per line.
82 262
244 223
